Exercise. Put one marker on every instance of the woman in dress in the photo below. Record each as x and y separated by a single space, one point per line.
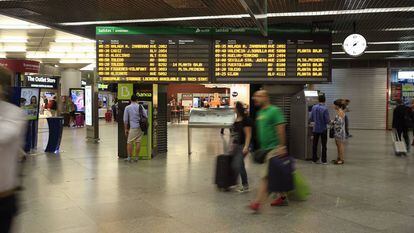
339 128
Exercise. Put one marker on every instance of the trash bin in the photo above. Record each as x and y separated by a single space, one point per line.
55 134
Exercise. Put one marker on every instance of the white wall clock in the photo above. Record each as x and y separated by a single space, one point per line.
355 45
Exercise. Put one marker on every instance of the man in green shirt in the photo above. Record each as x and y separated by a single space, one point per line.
271 134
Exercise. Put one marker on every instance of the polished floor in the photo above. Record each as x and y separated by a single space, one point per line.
87 189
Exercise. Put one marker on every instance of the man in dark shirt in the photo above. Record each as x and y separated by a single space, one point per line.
320 117
400 122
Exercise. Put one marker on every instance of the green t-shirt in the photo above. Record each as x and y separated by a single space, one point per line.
266 122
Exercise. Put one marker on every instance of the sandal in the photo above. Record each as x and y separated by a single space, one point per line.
339 162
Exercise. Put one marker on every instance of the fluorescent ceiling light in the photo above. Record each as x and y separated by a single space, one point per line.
336 53
89 67
2 55
382 42
158 20
391 51
11 47
13 39
77 61
73 40
72 48
397 29
239 16
61 55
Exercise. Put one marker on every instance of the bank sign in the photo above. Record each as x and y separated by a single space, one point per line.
42 81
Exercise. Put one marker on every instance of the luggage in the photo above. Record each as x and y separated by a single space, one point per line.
108 116
280 174
399 146
225 176
79 121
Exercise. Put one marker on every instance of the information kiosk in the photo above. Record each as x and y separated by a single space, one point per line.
301 130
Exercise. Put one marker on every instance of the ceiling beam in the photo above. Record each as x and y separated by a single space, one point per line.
257 10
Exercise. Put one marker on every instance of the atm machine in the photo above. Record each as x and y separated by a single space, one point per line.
300 128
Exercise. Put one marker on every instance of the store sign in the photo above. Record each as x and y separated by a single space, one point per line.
187 96
125 91
103 87
144 94
42 81
21 66
88 105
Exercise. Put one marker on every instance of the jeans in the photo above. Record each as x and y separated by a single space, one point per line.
8 209
324 137
238 164
404 132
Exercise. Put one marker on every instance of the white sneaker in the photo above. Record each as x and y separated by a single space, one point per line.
244 189
128 159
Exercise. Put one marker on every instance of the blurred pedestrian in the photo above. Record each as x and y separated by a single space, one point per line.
339 128
401 122
320 119
12 126
241 135
271 134
114 109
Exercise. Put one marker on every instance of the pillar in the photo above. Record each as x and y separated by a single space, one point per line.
70 78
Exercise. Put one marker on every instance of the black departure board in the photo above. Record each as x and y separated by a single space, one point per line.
154 59
202 55
271 60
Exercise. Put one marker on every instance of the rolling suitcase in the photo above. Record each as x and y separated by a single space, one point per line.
225 176
281 174
79 120
108 116
399 146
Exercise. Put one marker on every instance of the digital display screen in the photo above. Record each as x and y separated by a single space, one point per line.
311 93
29 102
219 55
88 105
78 98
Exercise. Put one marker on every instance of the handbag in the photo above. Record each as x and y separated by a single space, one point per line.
302 190
259 156
143 121
331 132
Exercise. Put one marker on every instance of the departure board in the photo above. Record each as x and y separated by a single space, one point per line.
157 60
189 55
246 59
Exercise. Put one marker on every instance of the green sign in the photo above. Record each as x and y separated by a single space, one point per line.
112 30
125 91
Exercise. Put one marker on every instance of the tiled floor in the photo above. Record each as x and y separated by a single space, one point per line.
87 189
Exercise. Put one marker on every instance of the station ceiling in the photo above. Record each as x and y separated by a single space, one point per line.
388 25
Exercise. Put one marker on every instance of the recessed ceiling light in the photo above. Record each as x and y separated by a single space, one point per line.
398 29
239 16
383 42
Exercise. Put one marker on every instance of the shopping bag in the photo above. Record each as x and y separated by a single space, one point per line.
302 190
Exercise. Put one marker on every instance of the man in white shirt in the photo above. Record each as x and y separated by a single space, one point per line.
12 128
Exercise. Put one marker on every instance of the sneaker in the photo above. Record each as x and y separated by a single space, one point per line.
244 189
128 159
317 162
136 159
280 202
324 163
255 206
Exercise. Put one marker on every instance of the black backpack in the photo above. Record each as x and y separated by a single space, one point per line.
143 121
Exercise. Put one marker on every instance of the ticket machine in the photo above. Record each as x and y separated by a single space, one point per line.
301 129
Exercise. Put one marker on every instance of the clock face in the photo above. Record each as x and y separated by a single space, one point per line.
355 45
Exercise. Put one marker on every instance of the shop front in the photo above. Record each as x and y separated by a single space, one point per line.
49 92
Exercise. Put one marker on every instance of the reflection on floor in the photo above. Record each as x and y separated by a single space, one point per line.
87 189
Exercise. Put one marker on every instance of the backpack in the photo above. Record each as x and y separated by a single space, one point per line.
143 121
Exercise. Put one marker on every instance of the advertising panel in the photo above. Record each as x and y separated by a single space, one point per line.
88 105
78 96
29 102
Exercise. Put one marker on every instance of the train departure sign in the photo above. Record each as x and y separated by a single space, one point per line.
165 55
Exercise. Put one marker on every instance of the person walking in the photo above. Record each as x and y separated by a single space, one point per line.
12 125
132 116
320 119
401 122
114 109
241 135
271 135
339 130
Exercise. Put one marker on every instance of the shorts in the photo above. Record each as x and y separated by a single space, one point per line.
265 170
135 134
